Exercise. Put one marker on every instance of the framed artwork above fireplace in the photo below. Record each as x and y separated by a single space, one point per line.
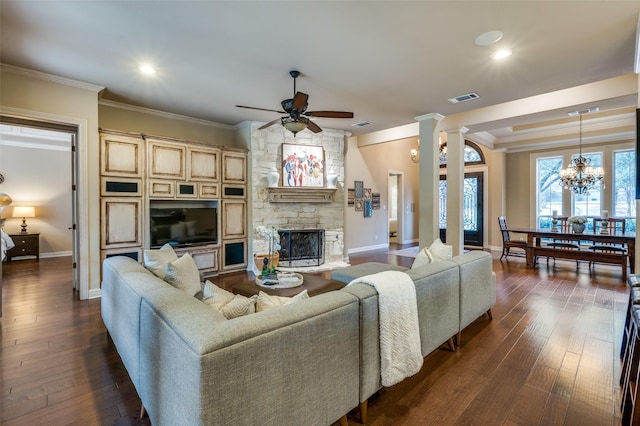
302 166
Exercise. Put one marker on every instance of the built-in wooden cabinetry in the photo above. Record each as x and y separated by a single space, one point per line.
234 210
138 171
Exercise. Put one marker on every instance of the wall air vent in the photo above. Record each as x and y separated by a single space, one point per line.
464 98
361 124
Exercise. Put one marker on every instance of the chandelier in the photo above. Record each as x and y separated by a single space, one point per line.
579 176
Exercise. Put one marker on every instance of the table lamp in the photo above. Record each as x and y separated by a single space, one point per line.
24 212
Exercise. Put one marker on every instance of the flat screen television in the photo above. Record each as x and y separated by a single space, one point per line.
183 226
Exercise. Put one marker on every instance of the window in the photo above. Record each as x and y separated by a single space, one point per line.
624 187
589 205
549 190
472 154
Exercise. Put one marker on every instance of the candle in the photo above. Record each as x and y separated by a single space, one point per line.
555 214
605 214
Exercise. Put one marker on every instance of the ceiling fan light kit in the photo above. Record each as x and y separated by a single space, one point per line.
296 108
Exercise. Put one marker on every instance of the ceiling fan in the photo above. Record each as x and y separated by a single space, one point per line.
296 109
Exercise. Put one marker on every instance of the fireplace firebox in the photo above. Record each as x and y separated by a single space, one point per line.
301 247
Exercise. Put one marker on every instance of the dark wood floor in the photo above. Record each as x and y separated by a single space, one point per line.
549 357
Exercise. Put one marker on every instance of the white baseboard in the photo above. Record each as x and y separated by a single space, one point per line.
56 254
368 248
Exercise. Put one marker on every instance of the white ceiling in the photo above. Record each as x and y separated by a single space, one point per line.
387 61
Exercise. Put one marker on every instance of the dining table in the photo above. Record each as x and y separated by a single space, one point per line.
585 240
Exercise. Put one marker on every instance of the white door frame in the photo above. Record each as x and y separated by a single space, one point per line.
82 198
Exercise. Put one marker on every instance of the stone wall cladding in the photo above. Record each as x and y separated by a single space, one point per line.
266 151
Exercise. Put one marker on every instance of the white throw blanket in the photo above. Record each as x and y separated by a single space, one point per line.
400 350
7 244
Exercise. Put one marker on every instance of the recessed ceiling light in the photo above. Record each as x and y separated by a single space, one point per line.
488 38
147 69
501 54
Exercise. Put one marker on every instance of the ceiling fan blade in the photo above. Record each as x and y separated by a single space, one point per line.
261 109
300 101
269 124
313 126
330 114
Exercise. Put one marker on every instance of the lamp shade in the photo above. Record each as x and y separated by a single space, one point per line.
5 200
24 211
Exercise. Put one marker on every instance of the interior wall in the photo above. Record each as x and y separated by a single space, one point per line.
371 164
39 175
137 120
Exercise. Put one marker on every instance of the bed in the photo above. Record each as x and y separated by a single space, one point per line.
7 244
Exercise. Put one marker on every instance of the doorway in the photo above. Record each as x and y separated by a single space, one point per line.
395 191
473 208
39 163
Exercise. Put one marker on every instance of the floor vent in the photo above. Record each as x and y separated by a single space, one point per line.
464 98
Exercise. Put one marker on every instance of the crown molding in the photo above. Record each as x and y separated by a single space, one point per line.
51 78
164 114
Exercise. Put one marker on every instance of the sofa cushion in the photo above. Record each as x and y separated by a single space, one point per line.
229 304
266 301
183 274
156 260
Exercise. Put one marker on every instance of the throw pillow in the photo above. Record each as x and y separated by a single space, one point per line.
266 301
183 273
440 251
156 260
229 304
423 258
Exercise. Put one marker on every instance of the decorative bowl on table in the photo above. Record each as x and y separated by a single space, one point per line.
280 280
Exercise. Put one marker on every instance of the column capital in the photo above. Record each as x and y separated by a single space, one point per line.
462 130
430 116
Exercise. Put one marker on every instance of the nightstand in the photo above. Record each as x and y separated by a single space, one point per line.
26 245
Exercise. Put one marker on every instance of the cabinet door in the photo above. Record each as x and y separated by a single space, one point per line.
234 167
160 188
234 219
205 257
166 160
203 164
209 191
120 156
121 221
234 254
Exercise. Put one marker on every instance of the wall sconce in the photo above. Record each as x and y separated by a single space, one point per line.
415 153
24 212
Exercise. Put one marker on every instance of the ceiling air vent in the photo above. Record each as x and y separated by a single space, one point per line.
464 98
361 124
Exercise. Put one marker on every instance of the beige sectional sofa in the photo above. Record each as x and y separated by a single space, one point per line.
306 363
297 364
451 294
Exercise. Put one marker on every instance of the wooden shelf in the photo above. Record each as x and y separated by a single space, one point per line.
281 194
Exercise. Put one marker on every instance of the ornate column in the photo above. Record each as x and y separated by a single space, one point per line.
455 189
429 178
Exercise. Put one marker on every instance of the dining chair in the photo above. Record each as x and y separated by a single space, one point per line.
507 242
563 242
616 226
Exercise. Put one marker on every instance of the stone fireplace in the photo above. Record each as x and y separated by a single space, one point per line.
308 212
302 247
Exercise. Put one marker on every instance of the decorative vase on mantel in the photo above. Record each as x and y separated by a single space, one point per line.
273 177
332 178
578 228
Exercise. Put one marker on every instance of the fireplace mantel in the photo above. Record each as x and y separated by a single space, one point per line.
284 194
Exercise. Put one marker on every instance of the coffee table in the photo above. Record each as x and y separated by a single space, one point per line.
314 285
